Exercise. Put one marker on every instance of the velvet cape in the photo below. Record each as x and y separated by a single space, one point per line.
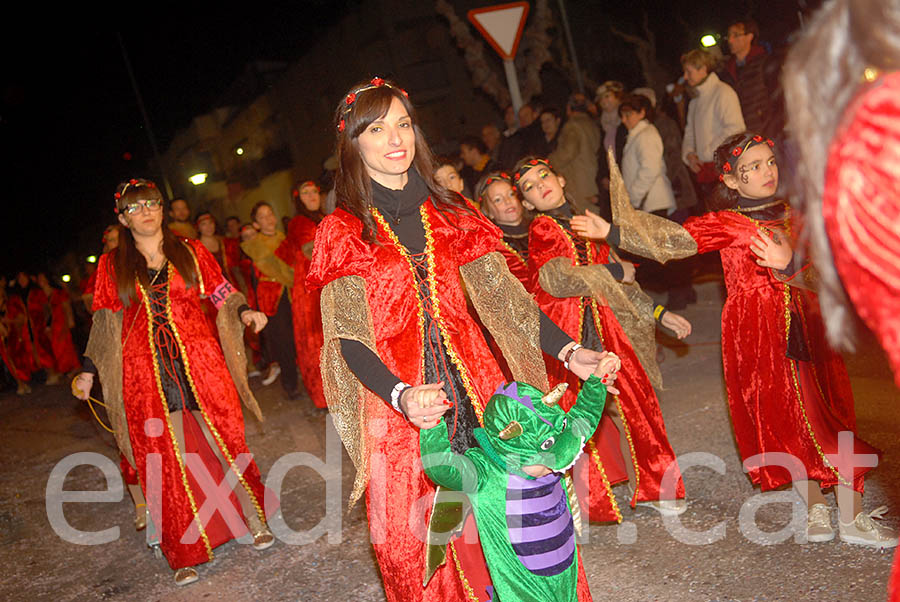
150 426
777 404
398 485
307 313
602 464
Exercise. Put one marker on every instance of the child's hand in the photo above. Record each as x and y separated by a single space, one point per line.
676 323
590 225
607 369
774 252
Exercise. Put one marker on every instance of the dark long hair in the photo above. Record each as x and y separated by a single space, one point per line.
128 263
300 208
722 196
352 185
821 76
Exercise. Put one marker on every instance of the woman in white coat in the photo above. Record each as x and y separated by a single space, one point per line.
643 166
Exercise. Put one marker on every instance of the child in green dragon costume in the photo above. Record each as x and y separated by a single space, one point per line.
515 482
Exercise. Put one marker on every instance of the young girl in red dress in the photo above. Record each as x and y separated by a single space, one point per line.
576 284
788 391
296 251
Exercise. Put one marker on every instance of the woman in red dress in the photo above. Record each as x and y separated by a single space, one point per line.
575 284
178 404
499 201
19 341
296 251
396 329
62 320
788 391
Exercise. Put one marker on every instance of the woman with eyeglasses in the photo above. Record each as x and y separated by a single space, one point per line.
171 393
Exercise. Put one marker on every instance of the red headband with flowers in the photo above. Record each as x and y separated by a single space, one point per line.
735 153
132 183
350 99
530 165
500 177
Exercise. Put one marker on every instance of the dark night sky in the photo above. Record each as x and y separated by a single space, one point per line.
67 119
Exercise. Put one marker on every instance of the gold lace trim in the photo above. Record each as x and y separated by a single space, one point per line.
231 338
162 398
643 233
510 314
105 350
345 315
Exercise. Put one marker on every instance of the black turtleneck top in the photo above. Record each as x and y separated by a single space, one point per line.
400 209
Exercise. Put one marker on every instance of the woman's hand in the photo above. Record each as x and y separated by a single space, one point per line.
256 319
425 404
694 162
774 252
590 225
676 323
81 386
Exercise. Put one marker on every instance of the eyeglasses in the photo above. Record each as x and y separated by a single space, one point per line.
736 34
150 204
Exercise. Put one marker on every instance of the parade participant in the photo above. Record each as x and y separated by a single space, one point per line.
576 287
167 387
500 202
20 344
772 326
447 176
273 297
233 227
390 259
296 251
6 343
110 242
527 519
59 327
180 214
38 305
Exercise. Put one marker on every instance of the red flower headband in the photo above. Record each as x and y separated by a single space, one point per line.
350 99
132 183
296 192
500 177
528 166
732 158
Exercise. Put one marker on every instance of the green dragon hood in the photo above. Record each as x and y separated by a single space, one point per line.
525 427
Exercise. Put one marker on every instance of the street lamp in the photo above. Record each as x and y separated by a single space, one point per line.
198 178
66 278
91 259
708 40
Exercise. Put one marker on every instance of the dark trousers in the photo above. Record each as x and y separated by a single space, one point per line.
278 341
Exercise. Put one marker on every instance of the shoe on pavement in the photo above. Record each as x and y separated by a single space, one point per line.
274 371
186 575
666 507
818 524
864 531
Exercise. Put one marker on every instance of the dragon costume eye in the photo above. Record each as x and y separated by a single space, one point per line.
565 422
548 443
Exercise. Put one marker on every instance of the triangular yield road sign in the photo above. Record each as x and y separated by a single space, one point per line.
501 25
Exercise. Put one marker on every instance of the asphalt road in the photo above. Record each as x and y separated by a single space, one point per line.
708 557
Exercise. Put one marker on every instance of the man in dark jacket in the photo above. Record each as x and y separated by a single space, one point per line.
753 73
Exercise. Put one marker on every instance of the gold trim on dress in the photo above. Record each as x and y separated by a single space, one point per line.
162 397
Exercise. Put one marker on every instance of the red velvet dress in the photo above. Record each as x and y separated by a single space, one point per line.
603 464
18 340
398 484
305 307
64 354
777 404
38 314
150 428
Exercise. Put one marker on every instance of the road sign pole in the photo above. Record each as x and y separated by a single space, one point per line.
512 80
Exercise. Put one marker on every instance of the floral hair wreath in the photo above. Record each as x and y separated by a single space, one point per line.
500 177
296 192
132 183
528 166
350 99
732 158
